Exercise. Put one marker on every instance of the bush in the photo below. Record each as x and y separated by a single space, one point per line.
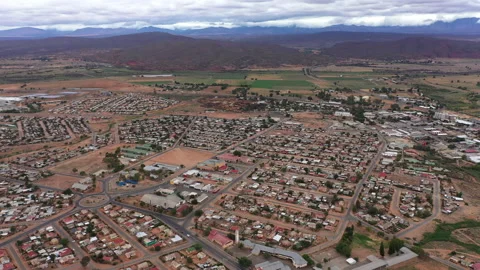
244 262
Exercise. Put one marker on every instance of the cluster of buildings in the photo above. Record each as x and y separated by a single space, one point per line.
307 217
31 130
217 133
131 103
45 248
374 204
297 260
417 200
451 199
276 178
149 231
191 258
163 131
100 241
264 230
6 261
83 185
292 147
12 171
13 229
8 135
49 157
145 265
22 204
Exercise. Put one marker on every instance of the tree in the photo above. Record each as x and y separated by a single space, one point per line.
74 170
197 246
189 260
395 107
395 245
85 261
52 257
68 191
308 259
244 262
237 153
382 250
198 213
64 242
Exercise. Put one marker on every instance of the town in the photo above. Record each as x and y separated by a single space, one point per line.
341 178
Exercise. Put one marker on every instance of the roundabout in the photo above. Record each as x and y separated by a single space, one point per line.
94 201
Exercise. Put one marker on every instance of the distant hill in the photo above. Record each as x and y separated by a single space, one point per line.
466 26
411 47
324 39
162 51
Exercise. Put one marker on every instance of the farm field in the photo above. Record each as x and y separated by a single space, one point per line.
282 84
456 100
470 82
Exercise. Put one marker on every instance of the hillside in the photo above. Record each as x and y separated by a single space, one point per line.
324 39
162 51
411 47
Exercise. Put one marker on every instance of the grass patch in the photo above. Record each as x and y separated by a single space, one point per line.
453 100
363 240
271 84
443 233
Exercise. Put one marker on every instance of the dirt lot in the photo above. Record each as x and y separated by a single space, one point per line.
418 264
89 163
59 181
178 156
311 119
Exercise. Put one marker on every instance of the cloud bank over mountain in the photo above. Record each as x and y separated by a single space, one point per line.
195 14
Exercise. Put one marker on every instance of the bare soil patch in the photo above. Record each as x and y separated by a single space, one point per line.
58 181
182 156
419 264
89 163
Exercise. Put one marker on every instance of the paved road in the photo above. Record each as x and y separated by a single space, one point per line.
211 248
16 258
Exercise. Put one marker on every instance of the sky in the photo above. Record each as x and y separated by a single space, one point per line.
194 14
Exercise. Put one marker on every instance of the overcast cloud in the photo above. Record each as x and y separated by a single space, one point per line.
186 14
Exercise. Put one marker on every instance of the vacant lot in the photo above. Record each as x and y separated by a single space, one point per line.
182 156
445 232
89 163
58 181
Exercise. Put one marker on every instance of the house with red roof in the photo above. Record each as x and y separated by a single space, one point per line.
220 239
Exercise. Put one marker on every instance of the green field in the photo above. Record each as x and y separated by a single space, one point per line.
456 100
443 233
350 82
362 240
282 84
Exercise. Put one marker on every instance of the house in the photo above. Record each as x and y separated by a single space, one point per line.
220 239
267 265
168 202
213 165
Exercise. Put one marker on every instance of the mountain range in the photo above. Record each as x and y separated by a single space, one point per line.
162 51
467 27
